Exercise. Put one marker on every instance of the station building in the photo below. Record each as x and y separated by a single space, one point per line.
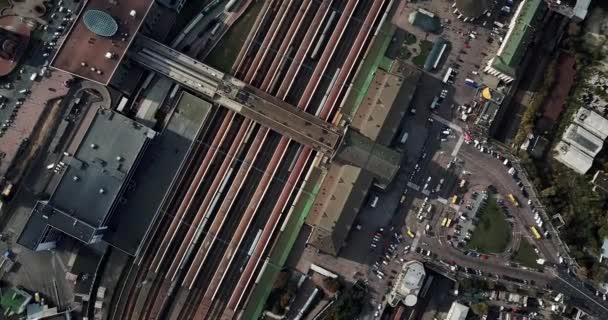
520 34
93 175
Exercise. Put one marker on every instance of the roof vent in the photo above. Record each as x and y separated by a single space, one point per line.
93 146
102 191
83 64
75 178
109 55
132 13
119 158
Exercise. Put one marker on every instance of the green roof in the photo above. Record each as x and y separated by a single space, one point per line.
517 40
425 20
13 301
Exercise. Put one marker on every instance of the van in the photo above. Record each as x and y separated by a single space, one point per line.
34 76
506 162
374 201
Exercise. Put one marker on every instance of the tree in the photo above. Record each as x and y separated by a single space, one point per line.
479 308
332 285
281 280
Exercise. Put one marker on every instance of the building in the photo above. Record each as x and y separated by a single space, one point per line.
425 20
573 158
604 251
592 121
573 9
582 139
600 181
176 5
345 187
100 37
408 284
14 301
14 40
93 177
469 10
457 312
434 57
519 36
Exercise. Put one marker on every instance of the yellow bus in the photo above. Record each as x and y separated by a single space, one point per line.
513 200
535 233
444 222
410 233
454 199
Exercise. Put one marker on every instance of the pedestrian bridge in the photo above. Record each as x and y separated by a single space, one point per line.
337 143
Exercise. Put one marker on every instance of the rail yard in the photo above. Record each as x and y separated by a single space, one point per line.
224 215
295 159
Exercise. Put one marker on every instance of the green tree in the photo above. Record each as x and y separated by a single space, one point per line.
479 308
332 285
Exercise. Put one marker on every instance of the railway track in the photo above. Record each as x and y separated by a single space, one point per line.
224 215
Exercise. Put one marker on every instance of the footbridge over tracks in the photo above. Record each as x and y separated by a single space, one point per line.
339 143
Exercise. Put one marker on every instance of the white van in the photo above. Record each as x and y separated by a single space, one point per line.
34 76
374 201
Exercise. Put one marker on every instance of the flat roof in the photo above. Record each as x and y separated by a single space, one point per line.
83 45
592 121
155 173
335 209
473 8
512 50
95 173
457 312
583 139
573 158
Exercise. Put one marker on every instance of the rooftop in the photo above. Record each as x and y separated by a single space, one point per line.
100 37
512 50
94 175
408 284
583 140
600 180
573 158
154 174
425 20
457 312
592 121
336 206
14 39
103 151
473 8
487 114
379 160
604 252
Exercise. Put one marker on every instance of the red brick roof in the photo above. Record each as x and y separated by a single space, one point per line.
82 45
